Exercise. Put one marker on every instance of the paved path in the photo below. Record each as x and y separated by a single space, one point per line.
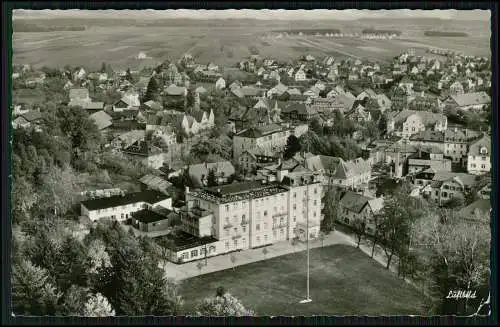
222 262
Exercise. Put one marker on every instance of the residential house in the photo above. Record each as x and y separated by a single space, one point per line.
471 101
428 138
406 84
384 103
126 139
422 162
121 207
409 122
446 186
277 90
220 84
479 156
129 101
366 95
28 119
79 74
146 153
271 137
250 161
399 98
355 208
223 171
456 144
300 75
359 114
298 111
101 119
176 91
456 88
481 207
353 174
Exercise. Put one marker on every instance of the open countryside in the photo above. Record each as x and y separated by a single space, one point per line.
220 45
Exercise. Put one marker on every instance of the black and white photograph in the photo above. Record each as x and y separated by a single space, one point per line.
231 163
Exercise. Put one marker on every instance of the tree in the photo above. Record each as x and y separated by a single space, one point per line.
152 90
330 210
292 147
321 237
103 67
211 178
265 251
98 306
128 76
33 293
359 228
200 266
74 301
71 264
222 305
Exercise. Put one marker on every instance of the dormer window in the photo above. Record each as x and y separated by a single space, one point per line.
483 150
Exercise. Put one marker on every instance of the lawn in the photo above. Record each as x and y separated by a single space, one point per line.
344 281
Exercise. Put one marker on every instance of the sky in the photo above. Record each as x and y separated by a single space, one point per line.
280 14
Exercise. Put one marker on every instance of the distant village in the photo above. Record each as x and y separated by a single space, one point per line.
263 191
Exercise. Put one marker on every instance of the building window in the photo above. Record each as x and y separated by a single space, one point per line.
265 238
294 194
294 218
244 242
282 232
244 229
185 255
294 207
227 220
315 202
236 229
258 239
314 214
483 166
235 243
483 158
444 194
226 232
265 213
265 225
243 217
227 245
194 253
257 227
227 207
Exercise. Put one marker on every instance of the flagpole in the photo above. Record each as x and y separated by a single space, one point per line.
307 299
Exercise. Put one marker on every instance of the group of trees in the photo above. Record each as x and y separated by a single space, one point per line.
330 145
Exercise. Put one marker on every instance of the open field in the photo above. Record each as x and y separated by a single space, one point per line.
344 281
221 45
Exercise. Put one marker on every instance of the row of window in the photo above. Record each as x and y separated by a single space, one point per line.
133 205
196 253
482 158
474 166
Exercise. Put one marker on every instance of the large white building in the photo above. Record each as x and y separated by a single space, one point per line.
121 207
271 137
479 156
247 215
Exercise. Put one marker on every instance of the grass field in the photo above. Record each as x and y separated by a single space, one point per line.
221 45
344 281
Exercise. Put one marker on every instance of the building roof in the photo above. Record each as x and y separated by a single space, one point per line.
153 105
155 182
147 216
175 90
428 118
249 91
459 135
259 131
93 105
428 136
101 119
467 180
342 169
354 201
300 109
149 196
239 191
80 93
32 115
130 137
483 143
482 205
183 241
199 171
469 99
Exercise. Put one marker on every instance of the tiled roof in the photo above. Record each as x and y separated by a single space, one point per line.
255 132
33 115
428 118
476 146
175 90
155 182
149 196
196 172
428 136
468 99
80 93
354 201
101 119
466 179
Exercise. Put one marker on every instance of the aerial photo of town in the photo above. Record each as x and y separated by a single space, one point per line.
251 162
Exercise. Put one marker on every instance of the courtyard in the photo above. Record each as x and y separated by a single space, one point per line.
344 281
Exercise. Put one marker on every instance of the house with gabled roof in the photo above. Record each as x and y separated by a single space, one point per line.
199 172
353 174
355 208
28 119
448 185
470 101
101 119
409 122
479 156
129 101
